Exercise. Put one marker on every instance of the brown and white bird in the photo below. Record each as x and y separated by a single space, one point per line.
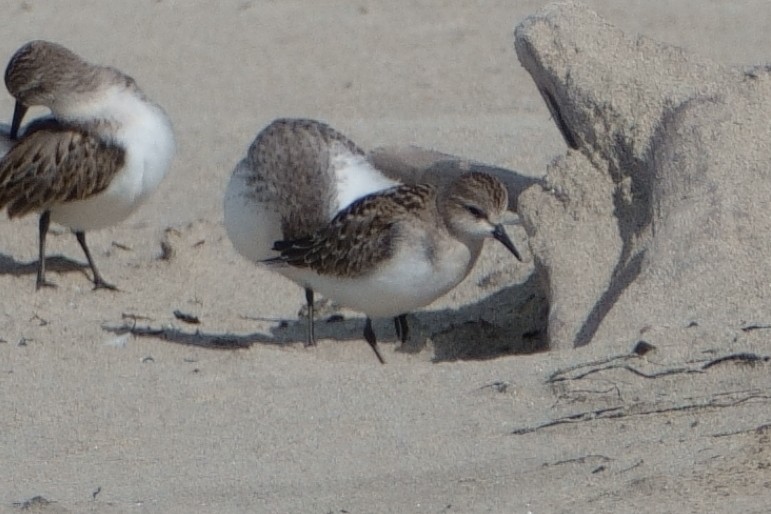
102 151
306 203
296 176
399 249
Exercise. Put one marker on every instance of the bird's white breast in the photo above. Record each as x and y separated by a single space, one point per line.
252 224
145 132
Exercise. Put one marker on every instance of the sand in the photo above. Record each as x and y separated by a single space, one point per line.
234 414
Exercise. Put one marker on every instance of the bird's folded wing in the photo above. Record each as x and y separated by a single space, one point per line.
358 238
54 164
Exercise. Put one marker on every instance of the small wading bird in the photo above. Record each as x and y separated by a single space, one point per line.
103 150
399 249
306 203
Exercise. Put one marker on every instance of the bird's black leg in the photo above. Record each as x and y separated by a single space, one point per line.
45 221
369 335
402 329
311 328
99 282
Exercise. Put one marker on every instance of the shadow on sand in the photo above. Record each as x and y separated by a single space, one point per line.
510 321
54 263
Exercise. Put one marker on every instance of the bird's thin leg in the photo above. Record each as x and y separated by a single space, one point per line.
99 282
402 329
45 221
311 328
369 335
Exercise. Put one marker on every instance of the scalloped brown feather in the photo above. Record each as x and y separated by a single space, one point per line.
370 224
55 164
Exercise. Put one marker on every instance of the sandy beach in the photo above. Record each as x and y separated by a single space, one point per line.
111 403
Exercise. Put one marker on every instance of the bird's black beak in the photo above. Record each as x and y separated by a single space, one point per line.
503 237
18 114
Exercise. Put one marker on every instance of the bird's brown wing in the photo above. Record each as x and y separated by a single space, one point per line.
360 236
54 164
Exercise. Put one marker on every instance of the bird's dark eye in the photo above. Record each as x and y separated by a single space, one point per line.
475 211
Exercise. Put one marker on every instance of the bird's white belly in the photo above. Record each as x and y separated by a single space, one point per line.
105 209
403 284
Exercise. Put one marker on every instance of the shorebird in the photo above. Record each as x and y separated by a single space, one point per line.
296 176
399 249
102 151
